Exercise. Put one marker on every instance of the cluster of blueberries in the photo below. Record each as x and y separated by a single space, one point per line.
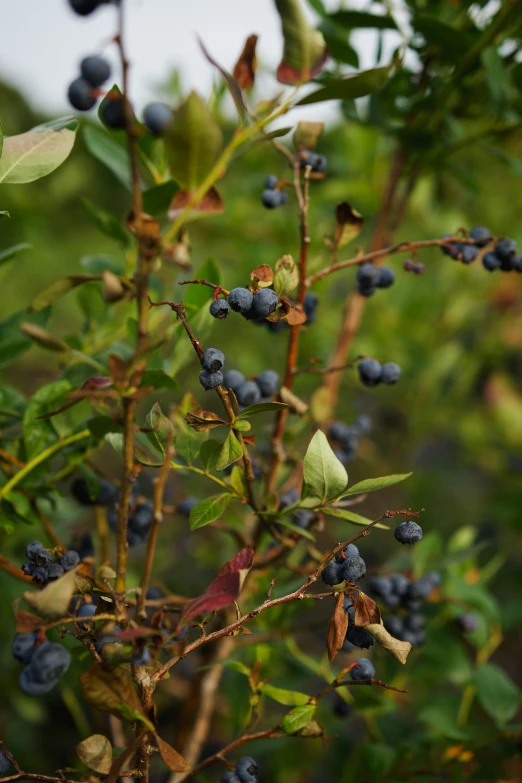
253 307
405 597
43 567
44 662
413 266
271 197
313 159
140 509
347 567
260 389
504 255
83 91
372 372
460 251
86 7
370 277
310 303
346 437
245 772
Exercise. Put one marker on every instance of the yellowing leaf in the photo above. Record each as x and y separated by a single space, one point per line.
32 155
96 753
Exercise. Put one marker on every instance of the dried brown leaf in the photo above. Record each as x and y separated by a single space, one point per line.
399 650
27 622
294 317
96 753
206 422
245 69
337 628
307 134
366 610
263 274
349 224
110 690
210 204
171 757
53 600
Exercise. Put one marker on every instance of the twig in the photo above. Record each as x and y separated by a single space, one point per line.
327 370
129 408
198 281
14 570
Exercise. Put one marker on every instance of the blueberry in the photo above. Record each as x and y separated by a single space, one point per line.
156 117
386 277
303 517
271 181
310 304
391 373
517 263
418 268
33 549
219 308
353 569
414 622
40 575
248 393
23 646
85 546
186 505
70 560
370 372
112 113
246 770
349 608
55 571
467 623
340 431
268 382
141 658
409 636
366 290
332 575
359 637
363 670
320 164
434 577
4 762
481 234
271 199
491 262
29 568
367 275
288 498
453 249
229 777
141 518
210 380
420 589
109 639
408 532
399 584
349 551
30 687
469 253
341 708
391 600
49 662
106 495
213 360
84 7
86 610
379 585
80 95
363 425
265 302
95 70
43 558
506 251
240 300
232 379
156 592
393 624
308 158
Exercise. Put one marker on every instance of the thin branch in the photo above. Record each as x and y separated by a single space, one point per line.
198 281
14 570
327 370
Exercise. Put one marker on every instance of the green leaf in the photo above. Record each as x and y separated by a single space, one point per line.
296 719
11 252
261 407
208 510
356 86
282 696
324 474
209 454
370 485
105 149
286 276
32 155
107 223
96 264
304 52
352 19
12 341
58 288
192 142
156 199
237 481
38 434
161 425
196 296
497 693
100 426
159 380
188 441
448 39
350 516
4 213
115 439
230 452
242 425
285 522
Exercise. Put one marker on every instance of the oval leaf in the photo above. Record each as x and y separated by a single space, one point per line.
96 753
261 407
208 510
230 452
324 474
32 155
370 485
282 696
350 516
297 718
497 694
355 87
171 757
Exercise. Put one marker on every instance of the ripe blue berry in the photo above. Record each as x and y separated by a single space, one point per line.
310 303
359 637
240 300
491 262
232 379
467 623
332 573
141 658
408 532
517 263
469 253
393 624
349 551
186 505
156 117
370 372
414 622
268 382
246 770
219 308
248 393
107 493
23 646
399 584
84 7
229 777
349 608
271 198
353 569
70 560
40 575
481 234
271 181
55 571
265 302
391 373
86 610
380 585
213 360
48 663
4 762
386 277
420 588
288 498
112 113
80 94
367 275
95 70
363 425
506 251
141 518
363 670
210 380
33 549
30 687
320 164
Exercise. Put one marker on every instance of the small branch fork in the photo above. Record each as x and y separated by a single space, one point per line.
21 775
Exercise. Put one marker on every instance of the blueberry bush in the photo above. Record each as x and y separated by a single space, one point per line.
208 580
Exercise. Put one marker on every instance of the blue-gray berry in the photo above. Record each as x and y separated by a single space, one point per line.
265 302
271 181
210 380
481 234
394 626
70 560
332 573
491 262
229 777
84 7
367 275
213 360
469 253
370 372
4 762
353 569
248 393
49 662
33 549
86 610
391 372
156 117
186 505
386 277
272 198
268 382
55 570
31 687
112 112
232 379
408 532
359 637
219 308
95 70
467 623
141 658
23 646
240 300
80 94
246 770
363 670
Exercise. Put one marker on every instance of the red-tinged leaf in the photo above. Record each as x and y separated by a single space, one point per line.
366 611
230 81
97 382
294 317
206 422
171 757
349 224
245 69
225 588
210 204
305 51
264 274
118 368
337 628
